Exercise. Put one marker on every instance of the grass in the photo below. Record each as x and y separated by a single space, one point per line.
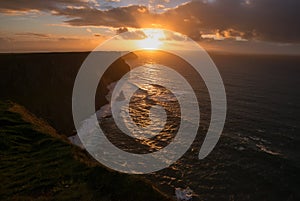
39 164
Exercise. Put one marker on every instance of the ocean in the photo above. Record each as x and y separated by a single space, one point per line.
257 156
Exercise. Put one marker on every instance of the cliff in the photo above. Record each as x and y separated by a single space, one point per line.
43 83
39 164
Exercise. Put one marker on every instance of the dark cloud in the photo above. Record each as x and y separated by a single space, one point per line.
21 5
121 30
271 20
131 35
116 17
266 20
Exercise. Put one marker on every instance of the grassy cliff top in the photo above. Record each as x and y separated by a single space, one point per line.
39 164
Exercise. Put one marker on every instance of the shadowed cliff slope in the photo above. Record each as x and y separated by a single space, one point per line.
43 83
39 164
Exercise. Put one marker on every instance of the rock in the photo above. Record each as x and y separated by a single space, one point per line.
184 194
76 141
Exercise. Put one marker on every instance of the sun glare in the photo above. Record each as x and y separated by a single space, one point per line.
153 39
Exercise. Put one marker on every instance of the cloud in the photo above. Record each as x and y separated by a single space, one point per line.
173 36
131 34
156 6
35 35
121 30
116 17
21 5
98 35
265 20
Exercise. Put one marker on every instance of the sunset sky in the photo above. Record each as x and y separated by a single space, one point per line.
244 26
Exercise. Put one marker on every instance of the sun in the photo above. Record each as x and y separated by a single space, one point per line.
153 39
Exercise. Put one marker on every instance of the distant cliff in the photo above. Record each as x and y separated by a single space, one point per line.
43 83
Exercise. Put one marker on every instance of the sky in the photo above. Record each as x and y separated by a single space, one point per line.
243 26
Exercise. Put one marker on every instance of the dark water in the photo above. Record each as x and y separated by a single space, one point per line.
257 156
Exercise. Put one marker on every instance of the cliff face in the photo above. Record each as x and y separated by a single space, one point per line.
43 83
